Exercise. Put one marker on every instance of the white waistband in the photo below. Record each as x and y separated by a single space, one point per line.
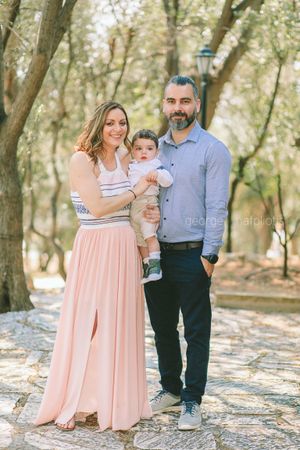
106 225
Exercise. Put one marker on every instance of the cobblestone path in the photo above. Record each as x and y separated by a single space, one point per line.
252 400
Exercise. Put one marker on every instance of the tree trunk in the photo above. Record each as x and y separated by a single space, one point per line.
227 20
229 228
14 295
266 233
54 199
172 57
285 240
55 20
285 260
233 191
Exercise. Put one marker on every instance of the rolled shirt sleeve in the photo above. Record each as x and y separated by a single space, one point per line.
216 196
164 177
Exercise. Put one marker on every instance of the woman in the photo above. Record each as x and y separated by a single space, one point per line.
98 362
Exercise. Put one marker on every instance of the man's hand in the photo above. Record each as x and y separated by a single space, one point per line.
152 214
152 176
208 267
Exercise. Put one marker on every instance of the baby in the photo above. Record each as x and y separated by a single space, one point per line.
145 151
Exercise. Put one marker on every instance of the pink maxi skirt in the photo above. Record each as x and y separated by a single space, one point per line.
105 374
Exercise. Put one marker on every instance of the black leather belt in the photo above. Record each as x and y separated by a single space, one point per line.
180 245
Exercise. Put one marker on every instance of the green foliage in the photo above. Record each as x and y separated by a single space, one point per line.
116 48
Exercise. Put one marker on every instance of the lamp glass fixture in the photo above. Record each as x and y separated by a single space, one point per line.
204 58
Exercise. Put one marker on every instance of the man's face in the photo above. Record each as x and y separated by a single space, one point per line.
180 106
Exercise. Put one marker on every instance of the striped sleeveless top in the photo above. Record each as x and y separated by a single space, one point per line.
111 182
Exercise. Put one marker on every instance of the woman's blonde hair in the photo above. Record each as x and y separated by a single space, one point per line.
91 139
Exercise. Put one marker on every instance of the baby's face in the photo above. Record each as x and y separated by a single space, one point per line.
144 150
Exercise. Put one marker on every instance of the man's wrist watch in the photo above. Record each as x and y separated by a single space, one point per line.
212 258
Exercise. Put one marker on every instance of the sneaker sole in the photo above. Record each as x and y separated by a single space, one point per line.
174 408
188 427
154 277
145 280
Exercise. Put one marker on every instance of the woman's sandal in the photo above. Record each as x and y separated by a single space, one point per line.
65 428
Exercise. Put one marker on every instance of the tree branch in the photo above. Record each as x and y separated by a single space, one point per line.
270 213
52 26
244 5
264 129
217 84
63 23
14 9
223 26
185 13
130 35
166 6
47 28
25 43
2 110
228 18
280 203
61 110
242 161
172 55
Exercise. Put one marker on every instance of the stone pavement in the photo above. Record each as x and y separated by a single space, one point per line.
252 400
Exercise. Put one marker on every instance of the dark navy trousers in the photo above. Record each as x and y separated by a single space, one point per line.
184 286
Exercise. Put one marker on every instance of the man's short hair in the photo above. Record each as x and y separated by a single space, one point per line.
181 80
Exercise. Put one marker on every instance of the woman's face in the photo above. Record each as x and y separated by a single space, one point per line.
115 129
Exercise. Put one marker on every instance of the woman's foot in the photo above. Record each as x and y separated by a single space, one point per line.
69 426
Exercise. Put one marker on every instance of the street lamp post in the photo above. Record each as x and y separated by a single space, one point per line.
204 58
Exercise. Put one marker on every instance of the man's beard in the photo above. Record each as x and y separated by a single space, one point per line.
181 124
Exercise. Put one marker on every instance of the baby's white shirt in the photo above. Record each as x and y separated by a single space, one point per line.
138 169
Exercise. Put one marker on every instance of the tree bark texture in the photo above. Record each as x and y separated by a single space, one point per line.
13 11
283 241
171 8
55 19
14 295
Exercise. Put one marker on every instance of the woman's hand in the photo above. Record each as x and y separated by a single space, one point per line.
152 176
141 186
152 214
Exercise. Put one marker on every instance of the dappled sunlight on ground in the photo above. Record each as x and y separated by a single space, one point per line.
251 401
43 281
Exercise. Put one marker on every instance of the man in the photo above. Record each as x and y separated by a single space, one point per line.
193 211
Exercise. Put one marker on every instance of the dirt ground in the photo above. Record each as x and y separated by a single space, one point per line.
255 273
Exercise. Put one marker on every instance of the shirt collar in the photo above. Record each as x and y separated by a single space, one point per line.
193 135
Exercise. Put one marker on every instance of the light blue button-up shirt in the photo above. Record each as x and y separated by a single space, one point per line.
194 208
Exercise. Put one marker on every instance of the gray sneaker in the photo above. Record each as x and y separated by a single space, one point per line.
165 401
190 417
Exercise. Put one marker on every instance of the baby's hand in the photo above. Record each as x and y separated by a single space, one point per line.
152 176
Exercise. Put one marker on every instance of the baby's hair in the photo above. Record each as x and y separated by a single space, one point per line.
145 134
